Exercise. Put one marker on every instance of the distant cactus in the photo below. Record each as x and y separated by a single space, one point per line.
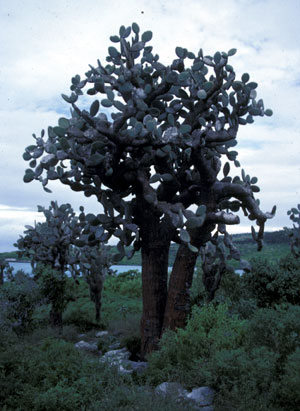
94 265
3 266
294 233
149 149
50 242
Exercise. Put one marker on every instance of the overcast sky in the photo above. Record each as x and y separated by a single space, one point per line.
45 43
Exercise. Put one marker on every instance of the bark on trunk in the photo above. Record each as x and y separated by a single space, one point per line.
154 285
178 302
56 319
95 282
97 300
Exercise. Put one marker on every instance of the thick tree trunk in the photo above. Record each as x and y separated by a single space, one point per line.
154 284
178 302
56 319
1 276
97 300
95 282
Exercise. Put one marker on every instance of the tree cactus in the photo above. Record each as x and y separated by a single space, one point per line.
150 150
50 244
93 265
294 233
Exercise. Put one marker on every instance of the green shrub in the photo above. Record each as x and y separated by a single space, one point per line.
184 351
128 283
18 300
277 328
243 378
287 388
273 283
55 376
81 313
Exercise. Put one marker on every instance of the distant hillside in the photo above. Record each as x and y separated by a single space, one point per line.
274 242
275 237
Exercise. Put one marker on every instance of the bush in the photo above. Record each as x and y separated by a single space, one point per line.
18 300
278 329
183 352
81 313
243 378
128 283
287 388
55 376
273 284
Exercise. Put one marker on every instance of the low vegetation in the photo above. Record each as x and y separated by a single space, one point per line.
245 344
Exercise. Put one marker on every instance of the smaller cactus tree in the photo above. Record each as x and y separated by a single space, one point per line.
3 266
49 244
294 233
94 263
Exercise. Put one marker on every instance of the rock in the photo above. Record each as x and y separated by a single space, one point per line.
101 334
115 357
138 366
114 346
83 345
171 388
203 396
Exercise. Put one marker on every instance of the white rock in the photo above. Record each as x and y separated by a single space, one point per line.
83 345
101 334
202 396
171 388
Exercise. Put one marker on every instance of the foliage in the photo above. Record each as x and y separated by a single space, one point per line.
271 284
18 300
183 352
164 117
53 285
128 283
246 361
54 375
278 329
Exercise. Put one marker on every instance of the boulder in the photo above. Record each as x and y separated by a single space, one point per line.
203 396
138 366
83 345
171 388
115 357
101 334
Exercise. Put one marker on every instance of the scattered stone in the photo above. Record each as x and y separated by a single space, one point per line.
114 346
81 335
171 388
203 396
115 357
138 366
101 334
83 345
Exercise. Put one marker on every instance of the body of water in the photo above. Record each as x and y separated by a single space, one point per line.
118 268
26 267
